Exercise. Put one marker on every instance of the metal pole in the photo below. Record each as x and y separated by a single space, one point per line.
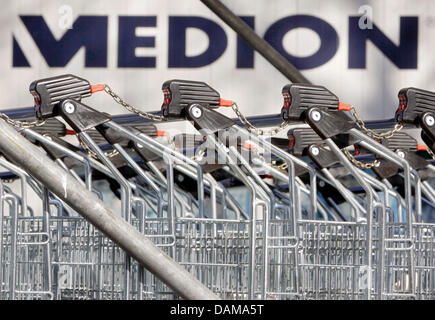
68 189
269 120
259 44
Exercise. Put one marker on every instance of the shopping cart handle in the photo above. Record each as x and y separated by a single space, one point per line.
405 146
415 161
387 169
49 92
148 129
113 136
282 143
400 140
413 104
417 107
327 123
316 106
178 94
298 98
207 119
323 157
80 116
300 139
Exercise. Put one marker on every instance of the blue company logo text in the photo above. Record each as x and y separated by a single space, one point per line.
91 32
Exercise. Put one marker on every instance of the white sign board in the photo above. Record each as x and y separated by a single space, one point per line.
362 51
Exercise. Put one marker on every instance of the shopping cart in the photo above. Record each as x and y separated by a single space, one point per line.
250 217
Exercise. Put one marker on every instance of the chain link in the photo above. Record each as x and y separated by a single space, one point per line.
130 108
282 166
430 152
92 153
22 124
251 127
359 164
198 157
371 133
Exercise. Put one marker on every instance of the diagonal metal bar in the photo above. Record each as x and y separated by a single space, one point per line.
259 44
16 148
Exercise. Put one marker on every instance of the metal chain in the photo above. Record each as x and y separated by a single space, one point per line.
92 153
251 127
283 166
22 124
257 153
198 157
130 108
430 152
359 164
371 133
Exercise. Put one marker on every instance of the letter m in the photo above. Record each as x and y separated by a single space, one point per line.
87 31
404 56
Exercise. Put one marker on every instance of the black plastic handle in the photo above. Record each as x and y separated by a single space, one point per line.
49 92
298 98
178 94
413 103
400 140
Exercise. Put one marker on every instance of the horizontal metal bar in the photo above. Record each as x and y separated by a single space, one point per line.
28 113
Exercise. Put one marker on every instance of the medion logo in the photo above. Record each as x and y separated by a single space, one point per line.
90 32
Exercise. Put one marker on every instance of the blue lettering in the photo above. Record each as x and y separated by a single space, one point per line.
18 57
177 42
328 37
245 53
128 42
404 56
88 31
